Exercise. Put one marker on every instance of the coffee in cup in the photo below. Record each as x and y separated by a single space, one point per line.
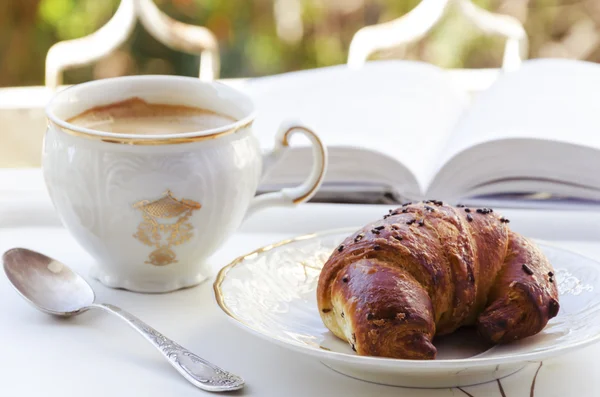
136 116
151 174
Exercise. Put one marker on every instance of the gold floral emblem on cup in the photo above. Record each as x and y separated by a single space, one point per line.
165 225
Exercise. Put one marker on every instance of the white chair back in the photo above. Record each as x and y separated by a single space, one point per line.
177 35
419 21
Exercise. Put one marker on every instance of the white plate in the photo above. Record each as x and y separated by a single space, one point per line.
272 293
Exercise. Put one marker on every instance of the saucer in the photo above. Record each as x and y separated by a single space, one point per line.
271 292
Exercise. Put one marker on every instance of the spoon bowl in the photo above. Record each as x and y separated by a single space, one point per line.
46 283
55 289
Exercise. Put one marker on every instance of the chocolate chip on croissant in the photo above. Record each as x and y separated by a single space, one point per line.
427 269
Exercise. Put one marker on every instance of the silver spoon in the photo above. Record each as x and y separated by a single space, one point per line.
55 289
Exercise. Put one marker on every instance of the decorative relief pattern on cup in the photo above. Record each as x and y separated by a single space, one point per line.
165 225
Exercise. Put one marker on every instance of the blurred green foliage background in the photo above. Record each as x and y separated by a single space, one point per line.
262 37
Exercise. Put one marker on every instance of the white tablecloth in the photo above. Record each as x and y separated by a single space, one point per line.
97 355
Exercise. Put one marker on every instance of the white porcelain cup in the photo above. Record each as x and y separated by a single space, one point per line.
152 208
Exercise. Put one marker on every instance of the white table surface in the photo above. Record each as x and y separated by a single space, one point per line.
97 355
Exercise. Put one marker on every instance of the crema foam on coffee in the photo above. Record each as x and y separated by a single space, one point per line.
136 116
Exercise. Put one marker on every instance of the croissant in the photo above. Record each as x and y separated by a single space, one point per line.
427 269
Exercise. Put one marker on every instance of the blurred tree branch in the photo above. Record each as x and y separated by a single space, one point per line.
16 36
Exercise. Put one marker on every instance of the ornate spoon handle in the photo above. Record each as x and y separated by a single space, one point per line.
198 371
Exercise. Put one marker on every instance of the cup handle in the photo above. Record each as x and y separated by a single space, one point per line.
304 192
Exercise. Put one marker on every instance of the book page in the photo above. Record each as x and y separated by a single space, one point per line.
547 99
402 109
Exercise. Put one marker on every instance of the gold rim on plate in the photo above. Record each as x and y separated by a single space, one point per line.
223 272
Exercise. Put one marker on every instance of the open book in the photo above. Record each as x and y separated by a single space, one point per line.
406 129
